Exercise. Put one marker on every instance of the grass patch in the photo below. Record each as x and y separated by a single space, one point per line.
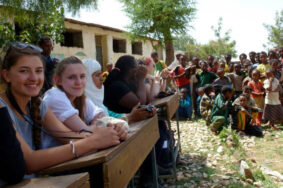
209 171
238 185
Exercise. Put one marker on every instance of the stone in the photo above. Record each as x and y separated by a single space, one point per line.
258 184
219 149
214 163
253 160
245 170
204 175
180 176
250 181
273 173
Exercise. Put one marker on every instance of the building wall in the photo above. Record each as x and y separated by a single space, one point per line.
89 44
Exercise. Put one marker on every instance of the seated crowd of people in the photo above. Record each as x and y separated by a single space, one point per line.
54 106
242 94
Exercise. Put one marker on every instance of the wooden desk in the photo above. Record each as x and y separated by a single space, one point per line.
171 103
69 181
115 166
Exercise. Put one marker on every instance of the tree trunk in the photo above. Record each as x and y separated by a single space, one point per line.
169 49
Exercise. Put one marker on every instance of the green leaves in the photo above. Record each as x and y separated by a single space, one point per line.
159 19
36 18
220 46
275 32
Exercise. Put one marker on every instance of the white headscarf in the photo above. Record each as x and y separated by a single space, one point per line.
95 94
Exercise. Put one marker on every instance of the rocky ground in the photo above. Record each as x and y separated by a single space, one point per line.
227 160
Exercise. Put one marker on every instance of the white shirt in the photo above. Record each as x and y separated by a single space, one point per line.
272 98
174 64
58 102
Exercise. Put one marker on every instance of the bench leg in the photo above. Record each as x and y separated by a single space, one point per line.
154 167
96 176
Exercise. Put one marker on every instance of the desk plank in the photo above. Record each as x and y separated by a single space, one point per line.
119 171
100 156
69 181
171 103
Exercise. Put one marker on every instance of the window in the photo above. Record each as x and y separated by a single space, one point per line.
137 48
73 39
119 46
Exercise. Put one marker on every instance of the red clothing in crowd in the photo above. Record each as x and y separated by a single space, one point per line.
183 80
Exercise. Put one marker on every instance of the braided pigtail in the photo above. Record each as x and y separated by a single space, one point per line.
36 117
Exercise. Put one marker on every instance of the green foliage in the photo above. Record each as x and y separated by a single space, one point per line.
159 19
258 175
275 32
223 135
219 47
46 6
181 42
27 21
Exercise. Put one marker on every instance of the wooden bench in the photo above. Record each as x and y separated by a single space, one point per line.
68 181
115 166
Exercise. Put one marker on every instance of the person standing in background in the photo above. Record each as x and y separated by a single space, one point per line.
50 63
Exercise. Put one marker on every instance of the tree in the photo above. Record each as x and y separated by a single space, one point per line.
219 47
181 42
275 32
159 19
27 21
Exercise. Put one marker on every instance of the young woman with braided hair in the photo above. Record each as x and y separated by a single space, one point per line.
23 73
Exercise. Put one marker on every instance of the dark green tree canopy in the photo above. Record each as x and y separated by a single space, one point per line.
159 19
28 20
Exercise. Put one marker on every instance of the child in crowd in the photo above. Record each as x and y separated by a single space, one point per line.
244 120
159 64
252 56
263 66
221 80
228 58
154 83
257 58
242 58
206 103
276 69
272 110
205 77
210 60
220 109
214 67
272 55
237 78
180 76
200 94
257 93
109 68
248 78
185 108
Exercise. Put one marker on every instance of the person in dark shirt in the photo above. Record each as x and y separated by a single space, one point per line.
125 85
50 63
12 160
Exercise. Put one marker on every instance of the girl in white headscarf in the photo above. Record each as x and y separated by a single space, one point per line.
94 89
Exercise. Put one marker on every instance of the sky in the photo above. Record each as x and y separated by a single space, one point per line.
245 19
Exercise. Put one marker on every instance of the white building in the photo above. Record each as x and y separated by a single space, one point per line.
105 44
